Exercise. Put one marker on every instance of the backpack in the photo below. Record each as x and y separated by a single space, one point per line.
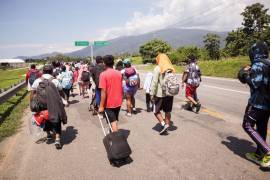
129 72
33 76
39 101
133 81
85 76
132 77
66 80
267 63
194 75
98 69
171 85
56 72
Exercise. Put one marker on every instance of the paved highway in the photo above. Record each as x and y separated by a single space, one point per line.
209 145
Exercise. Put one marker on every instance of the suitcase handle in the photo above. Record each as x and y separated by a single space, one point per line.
107 119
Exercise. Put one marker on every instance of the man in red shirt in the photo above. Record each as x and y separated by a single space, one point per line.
110 83
32 75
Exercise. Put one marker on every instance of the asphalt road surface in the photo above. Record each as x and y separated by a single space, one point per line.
208 145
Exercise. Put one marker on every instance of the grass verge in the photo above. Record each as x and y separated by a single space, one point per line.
136 60
223 68
11 113
10 77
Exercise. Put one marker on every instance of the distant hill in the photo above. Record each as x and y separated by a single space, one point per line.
42 56
174 36
130 44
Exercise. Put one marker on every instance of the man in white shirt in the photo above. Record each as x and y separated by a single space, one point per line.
55 126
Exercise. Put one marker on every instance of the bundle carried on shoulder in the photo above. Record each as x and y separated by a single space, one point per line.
47 97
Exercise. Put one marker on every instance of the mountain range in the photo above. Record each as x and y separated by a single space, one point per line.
130 44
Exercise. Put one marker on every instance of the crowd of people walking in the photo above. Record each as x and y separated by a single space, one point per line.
107 82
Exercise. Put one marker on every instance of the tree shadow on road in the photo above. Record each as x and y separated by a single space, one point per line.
68 135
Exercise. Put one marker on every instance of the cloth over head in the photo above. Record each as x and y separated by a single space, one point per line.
164 63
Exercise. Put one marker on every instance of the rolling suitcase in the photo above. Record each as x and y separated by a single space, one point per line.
116 145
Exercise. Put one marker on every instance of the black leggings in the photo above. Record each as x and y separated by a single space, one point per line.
66 93
148 99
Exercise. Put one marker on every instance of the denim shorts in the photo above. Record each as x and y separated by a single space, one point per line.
131 91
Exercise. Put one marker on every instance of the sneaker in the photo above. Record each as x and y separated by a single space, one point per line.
198 107
128 114
164 129
134 111
265 162
49 138
254 157
58 144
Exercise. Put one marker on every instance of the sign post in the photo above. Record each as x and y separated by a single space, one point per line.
101 43
81 43
95 43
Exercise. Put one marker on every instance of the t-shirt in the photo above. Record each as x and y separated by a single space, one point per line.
111 81
46 76
38 74
75 76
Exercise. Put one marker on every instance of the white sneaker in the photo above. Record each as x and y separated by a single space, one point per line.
128 114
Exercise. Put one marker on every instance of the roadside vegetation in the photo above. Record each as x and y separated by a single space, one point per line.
11 77
11 113
227 68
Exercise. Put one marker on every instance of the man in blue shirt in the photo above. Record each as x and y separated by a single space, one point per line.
258 108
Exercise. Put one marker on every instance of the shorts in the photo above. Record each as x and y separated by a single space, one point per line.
190 91
131 91
53 127
112 113
163 103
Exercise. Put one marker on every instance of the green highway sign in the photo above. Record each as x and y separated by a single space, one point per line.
101 43
81 43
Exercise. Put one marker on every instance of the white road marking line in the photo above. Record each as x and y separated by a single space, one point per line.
225 89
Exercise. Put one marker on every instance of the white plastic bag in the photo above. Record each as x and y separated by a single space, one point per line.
37 133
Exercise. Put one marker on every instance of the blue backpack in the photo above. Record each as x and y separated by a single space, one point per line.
33 76
66 80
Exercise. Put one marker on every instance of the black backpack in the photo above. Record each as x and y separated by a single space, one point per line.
39 101
98 69
85 76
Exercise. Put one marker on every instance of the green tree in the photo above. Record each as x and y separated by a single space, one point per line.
236 43
180 55
150 50
256 20
212 45
255 23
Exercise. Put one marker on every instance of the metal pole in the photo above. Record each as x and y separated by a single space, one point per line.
92 52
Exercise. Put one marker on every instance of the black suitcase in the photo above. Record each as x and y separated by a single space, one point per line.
116 145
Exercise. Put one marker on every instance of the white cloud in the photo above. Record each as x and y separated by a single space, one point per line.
30 49
219 15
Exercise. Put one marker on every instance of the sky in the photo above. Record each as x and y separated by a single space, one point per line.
33 27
